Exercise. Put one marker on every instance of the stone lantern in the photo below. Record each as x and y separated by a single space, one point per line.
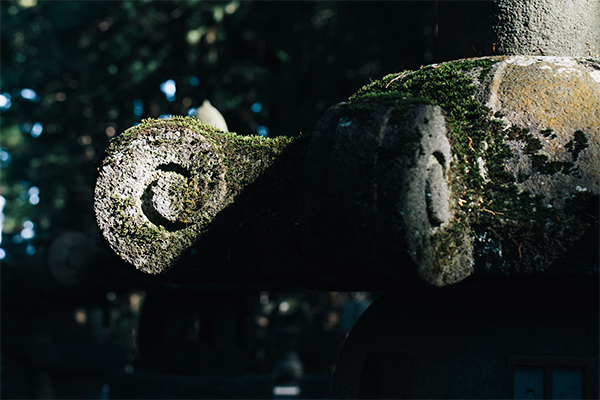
467 189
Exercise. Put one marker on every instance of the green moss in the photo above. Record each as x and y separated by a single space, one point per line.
218 173
122 204
244 157
548 132
540 161
446 86
475 132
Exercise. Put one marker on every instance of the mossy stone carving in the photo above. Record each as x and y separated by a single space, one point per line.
484 166
161 183
377 188
525 169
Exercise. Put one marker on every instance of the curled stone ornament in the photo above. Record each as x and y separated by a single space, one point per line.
380 181
157 191
162 182
523 173
483 166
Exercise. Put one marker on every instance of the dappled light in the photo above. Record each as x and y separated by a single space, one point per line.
77 74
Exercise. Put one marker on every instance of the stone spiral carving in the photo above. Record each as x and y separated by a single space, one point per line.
482 166
163 181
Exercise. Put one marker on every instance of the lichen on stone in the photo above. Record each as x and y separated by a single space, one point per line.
515 167
167 179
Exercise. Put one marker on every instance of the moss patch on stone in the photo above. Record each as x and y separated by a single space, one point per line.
577 144
474 132
491 197
243 155
163 181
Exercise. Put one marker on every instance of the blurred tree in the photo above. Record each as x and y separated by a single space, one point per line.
75 74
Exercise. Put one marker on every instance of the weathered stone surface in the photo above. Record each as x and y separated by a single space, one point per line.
524 27
525 170
161 209
378 189
482 166
553 97
161 182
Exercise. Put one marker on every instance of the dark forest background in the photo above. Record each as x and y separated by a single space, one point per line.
75 74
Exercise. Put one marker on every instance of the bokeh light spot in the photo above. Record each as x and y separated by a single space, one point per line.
37 129
110 131
257 107
262 131
169 88
5 102
29 94
138 107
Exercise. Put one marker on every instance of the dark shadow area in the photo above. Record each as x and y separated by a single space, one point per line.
76 322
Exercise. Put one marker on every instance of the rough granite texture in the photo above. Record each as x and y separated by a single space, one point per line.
559 94
525 169
161 182
485 166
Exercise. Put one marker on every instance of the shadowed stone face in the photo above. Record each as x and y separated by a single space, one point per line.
480 166
427 203
524 174
379 180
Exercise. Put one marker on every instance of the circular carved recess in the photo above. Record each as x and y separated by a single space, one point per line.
155 191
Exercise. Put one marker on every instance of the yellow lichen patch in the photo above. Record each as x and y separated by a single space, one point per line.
557 94
547 92
525 135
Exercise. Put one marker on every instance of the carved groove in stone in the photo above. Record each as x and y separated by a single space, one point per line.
153 192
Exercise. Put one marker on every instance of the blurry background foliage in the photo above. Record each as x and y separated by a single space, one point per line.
76 73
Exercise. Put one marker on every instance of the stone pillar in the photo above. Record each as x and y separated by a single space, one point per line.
524 27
